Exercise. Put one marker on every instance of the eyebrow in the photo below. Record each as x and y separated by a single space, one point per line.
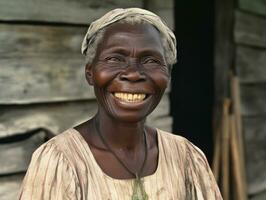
143 51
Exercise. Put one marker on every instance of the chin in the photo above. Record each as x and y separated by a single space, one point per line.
129 117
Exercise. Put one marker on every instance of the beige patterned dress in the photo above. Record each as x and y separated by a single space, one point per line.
64 168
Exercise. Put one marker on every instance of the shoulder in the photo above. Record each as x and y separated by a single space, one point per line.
59 147
199 179
184 147
50 172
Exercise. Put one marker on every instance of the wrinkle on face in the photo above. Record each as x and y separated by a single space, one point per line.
120 66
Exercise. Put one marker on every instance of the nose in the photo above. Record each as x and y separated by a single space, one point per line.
132 73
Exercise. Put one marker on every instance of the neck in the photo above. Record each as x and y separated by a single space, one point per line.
122 135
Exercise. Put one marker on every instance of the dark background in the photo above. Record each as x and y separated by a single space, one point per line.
193 76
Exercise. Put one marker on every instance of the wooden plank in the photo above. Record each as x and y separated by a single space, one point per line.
66 11
19 41
39 80
17 154
253 98
254 6
250 30
259 196
165 9
9 187
41 64
224 50
55 117
157 4
251 64
167 14
255 132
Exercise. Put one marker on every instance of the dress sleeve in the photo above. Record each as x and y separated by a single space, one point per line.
200 182
49 176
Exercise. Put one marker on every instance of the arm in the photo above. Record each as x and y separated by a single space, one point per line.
200 181
49 176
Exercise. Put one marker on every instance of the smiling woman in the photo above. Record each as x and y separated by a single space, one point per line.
114 155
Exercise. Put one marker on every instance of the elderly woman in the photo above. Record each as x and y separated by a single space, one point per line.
114 155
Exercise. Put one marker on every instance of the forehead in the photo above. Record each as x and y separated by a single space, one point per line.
141 35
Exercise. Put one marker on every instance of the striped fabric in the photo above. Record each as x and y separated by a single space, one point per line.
64 168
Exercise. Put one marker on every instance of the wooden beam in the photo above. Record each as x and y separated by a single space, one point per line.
224 48
9 186
253 98
259 196
165 9
55 118
19 41
250 30
251 64
40 79
41 64
255 131
17 155
254 6
66 11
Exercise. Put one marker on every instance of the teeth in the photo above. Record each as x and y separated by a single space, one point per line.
128 97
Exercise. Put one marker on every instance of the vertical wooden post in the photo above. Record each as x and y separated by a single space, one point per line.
237 163
225 149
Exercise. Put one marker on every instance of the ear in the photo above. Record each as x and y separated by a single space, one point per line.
89 74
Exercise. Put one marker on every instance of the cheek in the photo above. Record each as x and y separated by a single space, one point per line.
103 76
161 80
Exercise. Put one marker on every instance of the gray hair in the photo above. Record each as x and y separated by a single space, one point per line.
132 16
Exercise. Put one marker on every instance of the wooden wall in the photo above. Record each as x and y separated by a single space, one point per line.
245 48
42 86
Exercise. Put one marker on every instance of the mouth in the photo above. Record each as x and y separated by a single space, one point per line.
130 97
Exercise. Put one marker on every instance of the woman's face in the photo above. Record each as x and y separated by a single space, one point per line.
129 72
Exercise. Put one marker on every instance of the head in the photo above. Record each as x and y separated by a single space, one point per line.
97 28
128 53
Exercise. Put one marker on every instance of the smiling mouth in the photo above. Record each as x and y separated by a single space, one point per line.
130 97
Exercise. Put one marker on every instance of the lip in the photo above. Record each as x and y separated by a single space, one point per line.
132 105
131 91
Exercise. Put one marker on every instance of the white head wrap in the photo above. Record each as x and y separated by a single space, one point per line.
118 14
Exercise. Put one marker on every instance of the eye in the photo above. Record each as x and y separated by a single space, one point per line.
114 59
151 60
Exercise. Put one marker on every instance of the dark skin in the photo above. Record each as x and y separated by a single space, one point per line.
130 59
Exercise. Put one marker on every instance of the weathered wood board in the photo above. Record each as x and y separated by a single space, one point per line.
40 80
41 64
167 14
224 48
255 140
159 4
164 9
16 155
254 6
251 64
19 41
253 99
250 29
66 11
9 187
56 117
259 196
